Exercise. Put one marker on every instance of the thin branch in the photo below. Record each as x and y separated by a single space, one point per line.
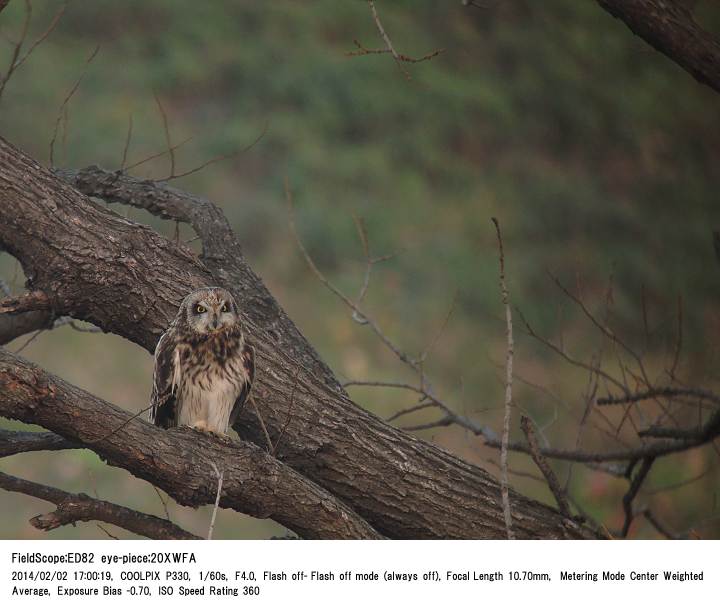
29 341
678 485
390 48
659 527
220 157
157 155
108 533
410 410
166 129
679 341
66 101
261 421
72 508
629 497
569 358
291 407
402 356
363 50
655 392
220 475
162 500
128 139
508 387
386 38
12 66
544 467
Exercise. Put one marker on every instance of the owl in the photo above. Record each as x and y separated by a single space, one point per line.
204 369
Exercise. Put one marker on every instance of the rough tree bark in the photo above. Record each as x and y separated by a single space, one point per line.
125 278
72 508
181 461
669 26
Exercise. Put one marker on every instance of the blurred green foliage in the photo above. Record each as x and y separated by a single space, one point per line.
598 155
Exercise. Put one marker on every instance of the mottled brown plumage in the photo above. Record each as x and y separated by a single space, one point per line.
204 369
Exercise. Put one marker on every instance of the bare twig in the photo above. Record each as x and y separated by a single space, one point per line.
678 485
401 355
659 527
128 139
370 262
544 467
16 58
157 155
410 410
108 533
508 387
220 157
166 129
667 392
30 340
390 48
256 410
66 101
635 485
291 406
220 475
679 341
363 50
162 500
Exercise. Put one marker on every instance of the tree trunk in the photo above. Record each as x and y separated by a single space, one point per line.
125 278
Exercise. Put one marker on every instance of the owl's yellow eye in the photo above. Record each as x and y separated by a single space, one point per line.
200 309
224 308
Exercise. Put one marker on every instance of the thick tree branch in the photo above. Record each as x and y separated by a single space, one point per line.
14 442
126 279
179 461
14 326
669 27
72 508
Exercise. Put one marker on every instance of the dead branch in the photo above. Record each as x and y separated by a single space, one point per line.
508 386
659 527
17 59
66 101
31 301
629 497
72 508
655 392
389 47
15 442
220 475
543 466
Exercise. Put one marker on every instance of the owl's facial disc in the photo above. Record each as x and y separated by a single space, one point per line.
212 314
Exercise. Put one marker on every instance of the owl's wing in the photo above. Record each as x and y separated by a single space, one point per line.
162 400
248 361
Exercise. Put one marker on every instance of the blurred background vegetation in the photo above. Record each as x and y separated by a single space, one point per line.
599 156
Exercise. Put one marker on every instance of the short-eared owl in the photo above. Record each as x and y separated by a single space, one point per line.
203 367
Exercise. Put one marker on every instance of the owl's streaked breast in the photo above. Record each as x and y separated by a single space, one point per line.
210 377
